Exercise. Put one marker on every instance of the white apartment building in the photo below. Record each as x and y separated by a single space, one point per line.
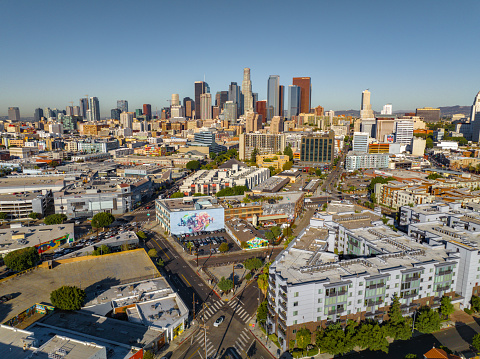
404 131
360 142
359 160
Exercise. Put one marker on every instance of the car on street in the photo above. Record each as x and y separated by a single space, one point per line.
219 321
238 266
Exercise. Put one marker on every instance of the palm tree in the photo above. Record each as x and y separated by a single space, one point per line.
190 246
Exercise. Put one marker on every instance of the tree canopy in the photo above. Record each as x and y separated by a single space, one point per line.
34 215
446 306
374 181
22 259
253 263
152 253
103 249
262 312
193 165
102 219
262 282
177 195
232 191
68 297
434 176
288 152
224 247
397 327
476 341
475 303
225 284
304 337
57 218
427 321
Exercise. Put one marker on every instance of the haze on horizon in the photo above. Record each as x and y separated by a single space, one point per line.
411 54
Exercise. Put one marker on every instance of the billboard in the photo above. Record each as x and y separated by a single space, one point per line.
197 220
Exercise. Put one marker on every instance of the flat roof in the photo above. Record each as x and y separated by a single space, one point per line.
90 273
188 203
31 236
243 230
114 330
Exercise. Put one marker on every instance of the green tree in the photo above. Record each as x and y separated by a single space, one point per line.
160 262
476 341
262 282
57 218
371 336
253 263
232 191
22 259
333 340
253 157
304 337
147 354
396 326
287 166
152 253
287 231
318 172
288 152
248 276
273 171
428 320
141 235
68 297
429 143
190 247
224 247
102 220
276 231
446 306
225 284
262 312
411 356
475 303
374 181
434 176
3 215
177 195
103 249
34 215
193 165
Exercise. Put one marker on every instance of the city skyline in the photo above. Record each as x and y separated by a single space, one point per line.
408 70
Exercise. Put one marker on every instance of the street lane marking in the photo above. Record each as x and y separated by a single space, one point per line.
160 248
194 353
186 280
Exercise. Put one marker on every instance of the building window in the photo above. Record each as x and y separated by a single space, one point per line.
295 312
320 300
397 277
320 291
319 319
294 322
360 292
295 294
319 309
295 304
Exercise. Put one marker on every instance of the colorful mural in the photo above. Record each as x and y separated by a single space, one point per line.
257 242
54 243
37 308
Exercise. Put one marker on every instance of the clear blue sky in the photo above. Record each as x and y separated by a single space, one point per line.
408 53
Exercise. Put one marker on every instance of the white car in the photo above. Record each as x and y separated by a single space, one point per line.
219 321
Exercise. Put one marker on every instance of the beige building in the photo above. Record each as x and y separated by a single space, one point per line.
385 126
23 152
418 146
253 122
276 126
273 160
265 143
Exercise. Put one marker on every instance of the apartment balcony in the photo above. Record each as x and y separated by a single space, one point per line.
450 271
284 288
271 301
283 305
271 292
282 314
411 279
443 288
374 286
283 331
283 296
411 295
334 294
371 303
282 324
336 311
271 310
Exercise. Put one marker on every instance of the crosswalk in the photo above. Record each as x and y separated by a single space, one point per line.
239 311
144 211
243 341
201 341
212 309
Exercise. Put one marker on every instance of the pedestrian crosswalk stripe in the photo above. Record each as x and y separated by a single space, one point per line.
244 316
243 336
210 311
241 341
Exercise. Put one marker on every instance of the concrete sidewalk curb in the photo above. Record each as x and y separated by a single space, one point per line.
263 345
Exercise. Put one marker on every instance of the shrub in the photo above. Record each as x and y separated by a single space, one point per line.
468 311
102 219
248 276
152 253
22 259
57 218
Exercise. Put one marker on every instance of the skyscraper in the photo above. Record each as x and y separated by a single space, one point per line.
387 109
76 111
37 116
189 106
253 122
255 99
475 118
14 114
281 94
175 99
126 119
206 106
115 113
366 109
230 111
201 87
147 111
122 105
247 91
69 110
261 109
305 93
234 93
94 109
220 98
276 126
83 108
273 96
294 95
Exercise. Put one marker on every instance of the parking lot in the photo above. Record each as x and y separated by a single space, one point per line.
205 242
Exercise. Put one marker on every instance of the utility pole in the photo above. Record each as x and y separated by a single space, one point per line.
194 306
233 276
204 330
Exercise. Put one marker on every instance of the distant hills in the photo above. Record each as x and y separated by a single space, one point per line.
445 111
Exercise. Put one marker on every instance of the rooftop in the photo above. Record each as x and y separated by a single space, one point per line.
190 203
91 273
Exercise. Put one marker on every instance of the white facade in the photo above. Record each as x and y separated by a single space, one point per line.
355 160
360 142
126 119
387 109
404 131
448 145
